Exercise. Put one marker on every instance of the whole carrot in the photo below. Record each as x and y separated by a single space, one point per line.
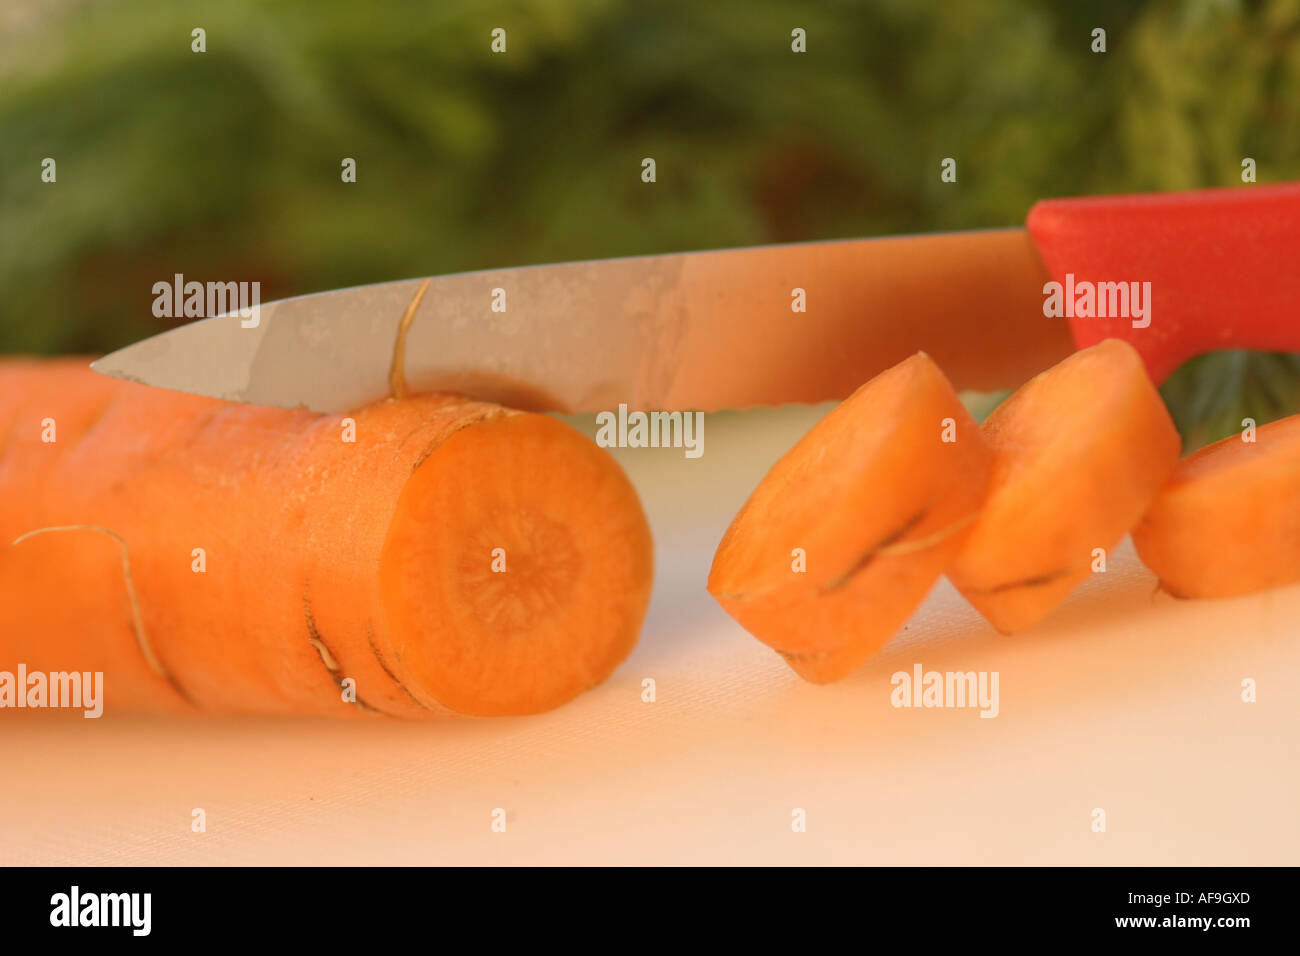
422 555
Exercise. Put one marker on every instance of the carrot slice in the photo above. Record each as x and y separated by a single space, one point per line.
1082 449
443 555
849 530
1225 497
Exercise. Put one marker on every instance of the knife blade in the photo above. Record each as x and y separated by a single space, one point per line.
700 330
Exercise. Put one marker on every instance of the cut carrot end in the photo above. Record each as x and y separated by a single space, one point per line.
826 667
849 530
517 569
277 561
1231 495
1082 449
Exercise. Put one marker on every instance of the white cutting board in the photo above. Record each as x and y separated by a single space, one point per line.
1125 700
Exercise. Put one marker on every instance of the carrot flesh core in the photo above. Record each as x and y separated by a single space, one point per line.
1082 449
1227 496
517 568
262 543
872 504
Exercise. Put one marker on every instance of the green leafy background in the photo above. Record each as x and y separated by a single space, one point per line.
227 163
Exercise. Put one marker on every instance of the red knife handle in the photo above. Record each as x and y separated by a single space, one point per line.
1223 267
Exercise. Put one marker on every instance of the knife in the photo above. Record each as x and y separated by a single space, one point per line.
766 325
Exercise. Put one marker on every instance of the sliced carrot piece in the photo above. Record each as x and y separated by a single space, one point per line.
1228 522
1082 449
849 530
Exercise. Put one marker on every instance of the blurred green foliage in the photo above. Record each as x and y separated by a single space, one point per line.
226 164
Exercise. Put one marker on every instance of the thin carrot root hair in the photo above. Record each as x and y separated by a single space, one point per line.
397 372
331 663
137 622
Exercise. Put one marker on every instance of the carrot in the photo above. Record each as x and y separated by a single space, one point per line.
455 557
849 530
1082 449
1228 522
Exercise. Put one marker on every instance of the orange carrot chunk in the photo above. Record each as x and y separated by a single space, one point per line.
419 556
848 531
1228 522
1082 449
